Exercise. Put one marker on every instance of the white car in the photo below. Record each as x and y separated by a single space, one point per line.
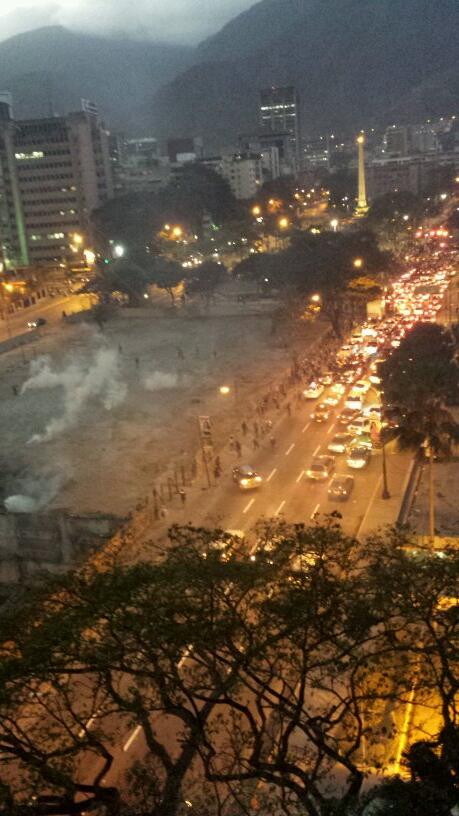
361 387
338 389
354 402
313 391
340 442
360 425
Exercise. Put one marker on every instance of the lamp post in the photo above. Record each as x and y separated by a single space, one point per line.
385 490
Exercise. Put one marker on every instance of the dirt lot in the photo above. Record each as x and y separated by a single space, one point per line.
99 415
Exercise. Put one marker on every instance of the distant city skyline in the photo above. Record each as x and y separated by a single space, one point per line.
184 21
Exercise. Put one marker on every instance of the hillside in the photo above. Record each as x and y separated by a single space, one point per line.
353 61
52 69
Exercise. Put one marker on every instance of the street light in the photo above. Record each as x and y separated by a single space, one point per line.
256 210
89 256
177 232
315 298
334 224
118 250
78 239
358 263
283 223
225 389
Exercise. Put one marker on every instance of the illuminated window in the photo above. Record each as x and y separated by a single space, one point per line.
36 154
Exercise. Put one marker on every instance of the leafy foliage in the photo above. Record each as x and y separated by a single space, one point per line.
270 671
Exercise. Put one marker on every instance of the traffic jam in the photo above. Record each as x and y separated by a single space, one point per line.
348 394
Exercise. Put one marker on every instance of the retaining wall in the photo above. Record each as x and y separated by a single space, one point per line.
49 542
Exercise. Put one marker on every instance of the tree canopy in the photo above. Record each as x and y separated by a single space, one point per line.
260 678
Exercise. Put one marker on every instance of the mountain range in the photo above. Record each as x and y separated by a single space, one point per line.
354 62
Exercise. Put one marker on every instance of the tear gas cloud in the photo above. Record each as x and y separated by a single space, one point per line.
36 491
80 381
159 381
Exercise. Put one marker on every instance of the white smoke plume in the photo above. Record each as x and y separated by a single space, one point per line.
80 382
159 381
36 492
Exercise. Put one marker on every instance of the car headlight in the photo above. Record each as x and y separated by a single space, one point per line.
244 481
258 478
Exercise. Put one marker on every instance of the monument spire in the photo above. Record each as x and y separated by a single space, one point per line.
362 204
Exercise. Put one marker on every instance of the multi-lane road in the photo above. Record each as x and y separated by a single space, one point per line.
50 309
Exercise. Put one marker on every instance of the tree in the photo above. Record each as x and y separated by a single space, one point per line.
205 280
271 670
124 275
326 264
418 377
165 274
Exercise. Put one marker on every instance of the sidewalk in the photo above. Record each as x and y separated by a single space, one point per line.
383 512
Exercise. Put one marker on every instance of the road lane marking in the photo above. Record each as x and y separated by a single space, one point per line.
314 512
306 427
279 508
290 449
248 506
300 477
331 428
132 738
271 475
316 450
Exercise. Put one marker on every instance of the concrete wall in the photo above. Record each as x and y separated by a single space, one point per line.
51 542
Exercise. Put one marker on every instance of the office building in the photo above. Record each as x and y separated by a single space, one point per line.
53 173
280 114
243 174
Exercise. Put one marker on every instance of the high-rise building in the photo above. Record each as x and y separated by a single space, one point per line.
280 114
53 173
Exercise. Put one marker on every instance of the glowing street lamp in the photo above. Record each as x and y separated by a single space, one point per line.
77 238
118 250
89 256
256 210
315 298
283 223
177 232
334 224
225 389
358 263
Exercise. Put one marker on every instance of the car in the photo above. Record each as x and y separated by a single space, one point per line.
373 412
359 425
313 391
340 442
246 477
354 402
358 457
337 389
321 468
225 545
35 324
321 413
341 488
361 387
347 375
326 378
364 440
346 416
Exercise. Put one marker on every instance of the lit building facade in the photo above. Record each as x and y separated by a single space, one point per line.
53 173
280 114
